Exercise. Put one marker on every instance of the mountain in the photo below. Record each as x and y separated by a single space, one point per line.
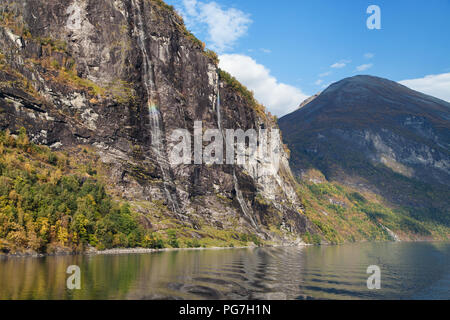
378 137
91 93
113 79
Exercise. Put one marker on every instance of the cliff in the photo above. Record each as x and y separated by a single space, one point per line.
119 76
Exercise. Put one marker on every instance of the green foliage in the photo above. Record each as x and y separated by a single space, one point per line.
343 215
41 207
212 55
164 5
424 203
395 219
356 197
55 45
250 238
52 159
255 240
324 189
153 241
328 231
312 239
72 77
194 243
243 237
173 241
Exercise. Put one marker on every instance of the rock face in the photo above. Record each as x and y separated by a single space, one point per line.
375 134
121 75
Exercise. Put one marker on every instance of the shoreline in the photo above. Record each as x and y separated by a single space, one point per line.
121 251
125 251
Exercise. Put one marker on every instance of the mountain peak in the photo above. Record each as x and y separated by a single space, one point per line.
384 88
372 130
373 95
365 82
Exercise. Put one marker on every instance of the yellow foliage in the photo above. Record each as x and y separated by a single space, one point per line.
62 235
43 226
28 167
13 195
10 159
55 176
19 238
91 198
75 237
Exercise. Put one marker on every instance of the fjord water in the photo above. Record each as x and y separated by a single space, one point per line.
408 271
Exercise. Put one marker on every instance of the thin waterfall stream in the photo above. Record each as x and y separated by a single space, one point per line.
154 113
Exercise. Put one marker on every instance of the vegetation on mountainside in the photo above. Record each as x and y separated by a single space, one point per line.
11 21
213 56
45 205
165 6
419 200
50 202
346 215
188 34
236 85
244 92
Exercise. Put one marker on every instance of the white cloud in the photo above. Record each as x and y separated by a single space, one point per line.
364 67
318 82
369 55
435 85
266 50
341 64
325 74
190 6
338 65
223 26
279 98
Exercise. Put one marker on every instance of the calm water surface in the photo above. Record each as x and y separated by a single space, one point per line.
409 271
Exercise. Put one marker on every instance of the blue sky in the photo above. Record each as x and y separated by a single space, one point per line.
288 50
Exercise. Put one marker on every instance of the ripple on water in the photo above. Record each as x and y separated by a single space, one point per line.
419 270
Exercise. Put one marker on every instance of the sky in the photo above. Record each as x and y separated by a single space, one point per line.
288 50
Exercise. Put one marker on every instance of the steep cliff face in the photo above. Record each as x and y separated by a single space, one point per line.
121 76
376 135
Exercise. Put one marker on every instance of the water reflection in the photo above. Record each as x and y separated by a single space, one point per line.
409 270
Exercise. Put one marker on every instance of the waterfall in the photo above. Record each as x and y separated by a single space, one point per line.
153 110
219 116
391 233
245 209
248 212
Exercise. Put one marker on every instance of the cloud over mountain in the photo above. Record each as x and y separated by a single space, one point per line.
437 85
223 26
279 98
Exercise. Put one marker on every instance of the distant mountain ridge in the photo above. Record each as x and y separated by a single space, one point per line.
377 135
